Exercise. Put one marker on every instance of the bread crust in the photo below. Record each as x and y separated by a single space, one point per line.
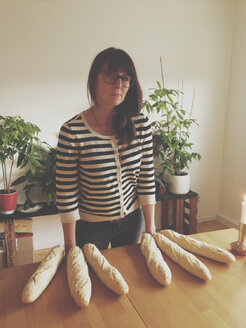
185 259
199 247
79 281
44 273
154 260
107 273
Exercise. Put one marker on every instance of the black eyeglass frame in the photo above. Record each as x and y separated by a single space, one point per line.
116 79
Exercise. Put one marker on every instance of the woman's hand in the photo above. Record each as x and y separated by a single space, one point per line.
149 215
150 229
69 234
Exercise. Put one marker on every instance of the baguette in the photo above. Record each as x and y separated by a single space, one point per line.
185 259
79 281
154 260
199 247
46 270
108 274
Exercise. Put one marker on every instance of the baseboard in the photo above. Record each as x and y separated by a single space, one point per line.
206 219
227 222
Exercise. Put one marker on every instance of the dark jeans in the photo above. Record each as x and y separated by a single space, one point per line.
121 232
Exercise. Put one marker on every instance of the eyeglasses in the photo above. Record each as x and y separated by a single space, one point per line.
112 77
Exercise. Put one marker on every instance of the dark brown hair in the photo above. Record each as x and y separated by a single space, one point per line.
115 60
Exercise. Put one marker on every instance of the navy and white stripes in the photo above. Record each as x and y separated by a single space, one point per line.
98 178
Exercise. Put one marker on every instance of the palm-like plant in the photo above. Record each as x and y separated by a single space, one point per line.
171 134
42 175
17 138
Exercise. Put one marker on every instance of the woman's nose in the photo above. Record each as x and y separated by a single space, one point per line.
118 83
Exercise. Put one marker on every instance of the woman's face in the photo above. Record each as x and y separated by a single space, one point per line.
111 88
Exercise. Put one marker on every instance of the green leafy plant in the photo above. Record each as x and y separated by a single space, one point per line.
171 134
17 137
160 182
42 175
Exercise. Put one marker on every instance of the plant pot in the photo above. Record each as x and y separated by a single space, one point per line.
179 184
8 201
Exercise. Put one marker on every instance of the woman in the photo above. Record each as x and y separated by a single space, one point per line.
104 170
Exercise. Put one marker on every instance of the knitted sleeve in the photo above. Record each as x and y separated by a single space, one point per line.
146 179
67 175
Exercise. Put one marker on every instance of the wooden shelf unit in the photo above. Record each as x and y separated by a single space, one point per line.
185 208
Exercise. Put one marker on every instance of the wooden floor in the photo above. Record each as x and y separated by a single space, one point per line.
201 227
210 226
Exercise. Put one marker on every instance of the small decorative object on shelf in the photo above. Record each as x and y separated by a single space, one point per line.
239 247
44 209
32 209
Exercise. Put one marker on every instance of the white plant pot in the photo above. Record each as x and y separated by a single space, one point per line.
179 184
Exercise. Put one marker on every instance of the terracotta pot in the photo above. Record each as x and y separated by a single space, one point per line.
179 184
8 201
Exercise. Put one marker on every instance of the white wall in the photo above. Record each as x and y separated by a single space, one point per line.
233 177
47 47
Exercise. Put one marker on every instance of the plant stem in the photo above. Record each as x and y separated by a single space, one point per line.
162 75
192 103
10 175
178 94
4 176
163 85
182 95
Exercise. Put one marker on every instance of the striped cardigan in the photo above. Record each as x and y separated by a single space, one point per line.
98 178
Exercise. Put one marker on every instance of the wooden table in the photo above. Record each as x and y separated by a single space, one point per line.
187 302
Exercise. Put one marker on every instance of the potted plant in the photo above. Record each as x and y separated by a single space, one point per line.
17 139
41 175
160 182
171 136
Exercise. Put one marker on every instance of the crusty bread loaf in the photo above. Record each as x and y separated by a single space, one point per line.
154 260
40 279
199 247
79 281
108 274
185 259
